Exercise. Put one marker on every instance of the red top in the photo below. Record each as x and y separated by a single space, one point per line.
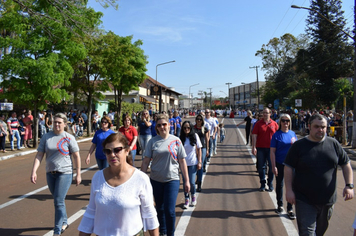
264 133
129 133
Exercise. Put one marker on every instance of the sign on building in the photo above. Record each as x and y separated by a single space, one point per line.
298 102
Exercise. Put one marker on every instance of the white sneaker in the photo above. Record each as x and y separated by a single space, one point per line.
186 204
212 154
215 152
194 201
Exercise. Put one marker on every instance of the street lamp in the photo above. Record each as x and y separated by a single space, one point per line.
228 90
258 87
189 92
354 79
160 93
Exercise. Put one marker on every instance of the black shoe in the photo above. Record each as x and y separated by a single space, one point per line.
262 188
291 215
270 188
199 187
279 210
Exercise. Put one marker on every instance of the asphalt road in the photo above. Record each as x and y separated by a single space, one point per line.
229 204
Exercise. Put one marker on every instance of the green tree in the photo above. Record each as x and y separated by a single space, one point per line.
329 55
39 62
125 64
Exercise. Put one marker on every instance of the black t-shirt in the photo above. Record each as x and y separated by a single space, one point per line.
315 165
248 122
201 135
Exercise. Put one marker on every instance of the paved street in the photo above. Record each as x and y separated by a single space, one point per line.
229 204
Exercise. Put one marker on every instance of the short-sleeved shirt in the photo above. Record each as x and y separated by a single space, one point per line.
129 133
201 134
144 129
165 154
191 152
99 137
14 123
58 149
212 124
315 165
178 121
264 133
172 121
282 141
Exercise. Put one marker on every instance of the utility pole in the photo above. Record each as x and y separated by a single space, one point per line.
210 96
228 91
258 86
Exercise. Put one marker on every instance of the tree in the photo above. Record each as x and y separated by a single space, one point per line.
125 64
39 62
329 55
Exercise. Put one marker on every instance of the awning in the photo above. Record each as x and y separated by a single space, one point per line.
146 99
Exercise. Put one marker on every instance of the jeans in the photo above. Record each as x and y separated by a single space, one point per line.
178 131
15 133
58 185
279 186
133 155
143 142
349 133
222 137
171 131
42 130
312 220
211 142
203 160
2 143
262 159
215 143
102 163
192 173
165 195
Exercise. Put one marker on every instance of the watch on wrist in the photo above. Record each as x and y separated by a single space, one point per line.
351 186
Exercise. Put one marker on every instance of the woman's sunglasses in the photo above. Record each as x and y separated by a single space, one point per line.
284 120
164 125
115 150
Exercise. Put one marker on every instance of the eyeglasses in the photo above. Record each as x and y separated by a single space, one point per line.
104 122
198 119
285 120
186 128
115 150
164 125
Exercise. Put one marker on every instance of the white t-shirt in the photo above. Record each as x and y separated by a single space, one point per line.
212 124
190 150
121 210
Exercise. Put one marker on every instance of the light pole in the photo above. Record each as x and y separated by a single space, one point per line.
354 79
189 93
228 90
160 92
258 87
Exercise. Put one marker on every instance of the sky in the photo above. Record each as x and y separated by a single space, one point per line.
212 42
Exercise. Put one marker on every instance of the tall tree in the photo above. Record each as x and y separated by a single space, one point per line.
329 55
126 66
39 62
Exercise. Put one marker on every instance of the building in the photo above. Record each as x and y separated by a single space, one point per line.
245 96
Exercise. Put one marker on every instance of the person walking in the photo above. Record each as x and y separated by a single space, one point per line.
192 146
99 136
349 120
261 142
178 123
144 130
247 120
281 142
202 129
121 199
3 133
168 157
130 133
213 129
310 177
13 124
59 146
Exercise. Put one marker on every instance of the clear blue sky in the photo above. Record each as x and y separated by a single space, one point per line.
212 42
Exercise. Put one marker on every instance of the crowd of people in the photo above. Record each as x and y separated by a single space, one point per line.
136 202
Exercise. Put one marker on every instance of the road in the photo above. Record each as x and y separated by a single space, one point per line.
229 204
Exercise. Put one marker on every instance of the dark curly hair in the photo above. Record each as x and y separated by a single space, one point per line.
191 134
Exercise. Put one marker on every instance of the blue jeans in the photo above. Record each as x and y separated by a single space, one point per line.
102 163
178 131
15 133
192 173
312 219
222 137
143 142
279 186
203 160
165 195
171 131
211 143
262 159
58 185
215 143
42 130
133 154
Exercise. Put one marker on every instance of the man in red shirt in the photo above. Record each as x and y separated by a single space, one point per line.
261 141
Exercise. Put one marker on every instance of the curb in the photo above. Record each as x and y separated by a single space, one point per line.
32 151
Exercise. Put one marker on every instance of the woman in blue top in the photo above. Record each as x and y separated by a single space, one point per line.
281 141
144 130
99 136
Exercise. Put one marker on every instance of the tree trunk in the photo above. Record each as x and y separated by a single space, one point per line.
35 123
119 95
89 102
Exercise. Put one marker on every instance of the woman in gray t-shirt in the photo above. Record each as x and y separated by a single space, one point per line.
58 145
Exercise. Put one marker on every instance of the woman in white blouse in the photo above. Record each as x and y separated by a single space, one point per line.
121 198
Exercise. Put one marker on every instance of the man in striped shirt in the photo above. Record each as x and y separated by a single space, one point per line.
13 125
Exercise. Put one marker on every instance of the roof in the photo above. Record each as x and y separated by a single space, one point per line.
149 82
